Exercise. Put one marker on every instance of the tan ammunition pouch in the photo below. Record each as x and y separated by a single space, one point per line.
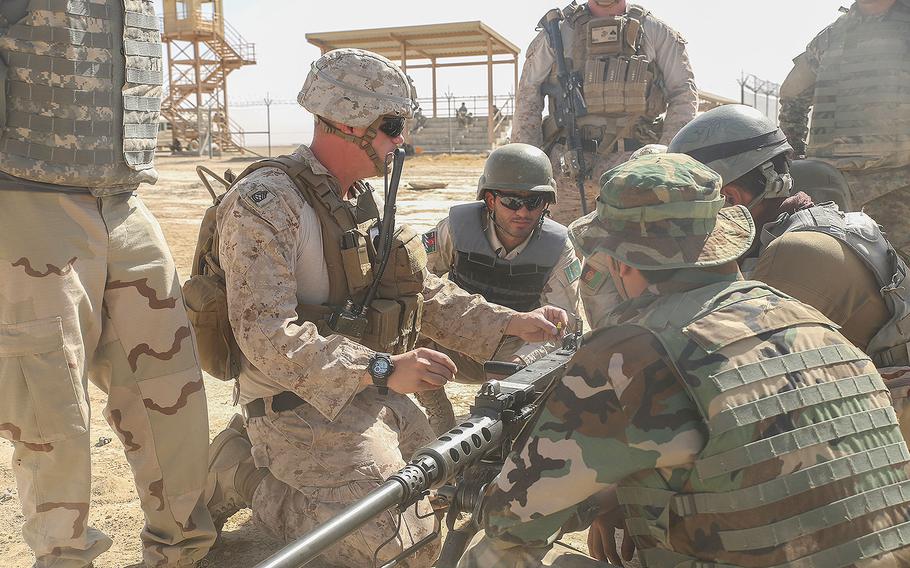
206 299
348 229
622 87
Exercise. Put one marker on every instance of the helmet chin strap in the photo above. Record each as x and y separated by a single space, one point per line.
364 142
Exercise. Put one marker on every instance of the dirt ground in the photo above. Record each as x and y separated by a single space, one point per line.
179 200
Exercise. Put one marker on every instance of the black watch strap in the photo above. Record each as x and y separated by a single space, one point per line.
381 376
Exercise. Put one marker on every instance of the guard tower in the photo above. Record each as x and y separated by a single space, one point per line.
202 49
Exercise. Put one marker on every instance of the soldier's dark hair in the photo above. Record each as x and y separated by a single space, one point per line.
754 181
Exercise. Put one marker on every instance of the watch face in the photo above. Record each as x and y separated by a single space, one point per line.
381 367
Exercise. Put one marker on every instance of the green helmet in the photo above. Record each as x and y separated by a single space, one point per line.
517 167
733 140
822 181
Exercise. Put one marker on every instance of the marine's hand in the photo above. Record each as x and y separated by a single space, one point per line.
602 539
420 370
543 324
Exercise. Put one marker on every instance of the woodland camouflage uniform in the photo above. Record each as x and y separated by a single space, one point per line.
740 427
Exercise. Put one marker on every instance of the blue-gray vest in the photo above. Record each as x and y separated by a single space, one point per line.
862 92
83 93
516 283
891 344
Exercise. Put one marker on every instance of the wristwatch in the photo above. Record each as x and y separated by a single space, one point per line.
380 367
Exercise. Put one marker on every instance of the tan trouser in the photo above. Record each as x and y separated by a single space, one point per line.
88 291
321 467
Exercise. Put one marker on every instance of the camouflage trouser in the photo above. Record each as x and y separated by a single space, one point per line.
568 206
488 553
321 467
88 290
892 211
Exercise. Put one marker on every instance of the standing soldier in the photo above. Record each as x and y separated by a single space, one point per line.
633 67
733 425
855 79
88 289
326 405
504 248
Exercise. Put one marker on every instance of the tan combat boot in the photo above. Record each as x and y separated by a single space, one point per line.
233 477
439 410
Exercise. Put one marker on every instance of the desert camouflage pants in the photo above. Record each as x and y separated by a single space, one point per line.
88 291
320 467
487 553
568 205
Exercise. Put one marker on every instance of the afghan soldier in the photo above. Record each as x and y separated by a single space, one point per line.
839 263
88 288
735 424
504 248
327 415
634 68
854 77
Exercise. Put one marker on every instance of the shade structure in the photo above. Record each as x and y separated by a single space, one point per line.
428 46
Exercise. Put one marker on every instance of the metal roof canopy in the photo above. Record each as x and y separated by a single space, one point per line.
431 42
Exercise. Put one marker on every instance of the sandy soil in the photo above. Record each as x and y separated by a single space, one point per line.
179 201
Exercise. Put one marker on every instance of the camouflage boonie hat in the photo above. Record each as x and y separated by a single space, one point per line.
356 87
664 211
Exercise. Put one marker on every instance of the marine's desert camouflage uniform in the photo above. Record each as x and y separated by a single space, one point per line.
88 288
661 44
342 441
622 415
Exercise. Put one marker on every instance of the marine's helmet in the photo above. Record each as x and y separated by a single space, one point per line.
822 181
734 140
357 88
517 167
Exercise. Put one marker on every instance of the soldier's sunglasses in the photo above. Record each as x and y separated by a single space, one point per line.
392 126
516 203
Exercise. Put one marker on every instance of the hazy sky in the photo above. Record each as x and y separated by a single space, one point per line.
726 37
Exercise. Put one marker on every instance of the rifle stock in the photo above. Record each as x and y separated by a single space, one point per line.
501 409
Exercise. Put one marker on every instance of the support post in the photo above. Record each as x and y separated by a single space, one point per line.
197 71
433 63
490 91
515 90
404 57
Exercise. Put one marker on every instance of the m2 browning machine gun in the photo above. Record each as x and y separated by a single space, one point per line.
570 106
459 464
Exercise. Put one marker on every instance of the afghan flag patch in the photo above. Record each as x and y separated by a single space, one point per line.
592 278
429 241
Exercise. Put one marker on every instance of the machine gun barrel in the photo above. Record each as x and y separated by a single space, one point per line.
499 409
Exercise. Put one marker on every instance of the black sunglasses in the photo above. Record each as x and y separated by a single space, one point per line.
392 126
515 203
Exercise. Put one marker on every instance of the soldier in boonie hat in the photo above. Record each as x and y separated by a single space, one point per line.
661 212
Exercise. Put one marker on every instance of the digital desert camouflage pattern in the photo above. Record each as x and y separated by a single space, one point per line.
355 87
88 291
320 467
662 45
259 245
690 404
342 441
83 93
664 211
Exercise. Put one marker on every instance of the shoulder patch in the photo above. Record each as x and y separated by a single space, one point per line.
263 194
592 278
261 197
429 241
573 271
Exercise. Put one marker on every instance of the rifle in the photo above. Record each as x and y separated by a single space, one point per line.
459 464
351 320
570 105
